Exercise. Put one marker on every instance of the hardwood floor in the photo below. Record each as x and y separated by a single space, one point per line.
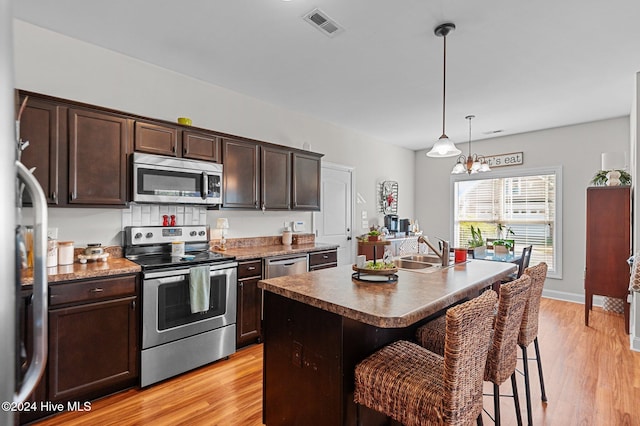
591 378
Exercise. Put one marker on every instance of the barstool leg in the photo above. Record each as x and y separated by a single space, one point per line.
496 404
516 400
544 394
479 420
527 388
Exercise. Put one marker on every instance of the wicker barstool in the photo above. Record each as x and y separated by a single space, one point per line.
529 330
503 352
417 387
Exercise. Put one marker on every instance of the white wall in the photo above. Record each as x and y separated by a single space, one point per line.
576 148
53 64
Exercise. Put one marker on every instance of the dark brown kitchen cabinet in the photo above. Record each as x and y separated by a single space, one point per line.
306 181
608 246
93 338
98 149
201 146
249 304
43 125
241 178
156 138
323 259
276 178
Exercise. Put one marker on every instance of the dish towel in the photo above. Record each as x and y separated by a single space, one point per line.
199 288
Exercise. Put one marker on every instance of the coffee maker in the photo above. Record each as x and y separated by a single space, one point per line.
391 222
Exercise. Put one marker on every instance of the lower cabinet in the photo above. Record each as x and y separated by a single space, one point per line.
249 305
93 341
323 259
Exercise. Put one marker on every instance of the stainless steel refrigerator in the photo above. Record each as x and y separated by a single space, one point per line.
17 380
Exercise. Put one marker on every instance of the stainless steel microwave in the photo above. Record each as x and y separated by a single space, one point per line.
158 179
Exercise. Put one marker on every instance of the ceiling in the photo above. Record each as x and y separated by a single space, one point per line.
518 66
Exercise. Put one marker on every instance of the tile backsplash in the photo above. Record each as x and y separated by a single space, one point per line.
151 215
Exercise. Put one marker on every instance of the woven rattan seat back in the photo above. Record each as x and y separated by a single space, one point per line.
529 327
503 351
417 387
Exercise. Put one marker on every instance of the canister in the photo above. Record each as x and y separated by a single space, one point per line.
52 253
287 236
177 248
65 252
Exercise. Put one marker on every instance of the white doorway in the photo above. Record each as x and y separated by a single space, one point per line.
334 223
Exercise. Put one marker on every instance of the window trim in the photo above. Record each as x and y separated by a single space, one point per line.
510 173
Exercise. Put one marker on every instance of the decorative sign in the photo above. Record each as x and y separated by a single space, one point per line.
501 160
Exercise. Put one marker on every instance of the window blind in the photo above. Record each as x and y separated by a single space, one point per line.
524 204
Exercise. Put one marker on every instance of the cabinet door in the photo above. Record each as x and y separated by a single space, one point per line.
200 146
92 347
306 182
241 174
155 138
98 149
42 124
249 309
276 178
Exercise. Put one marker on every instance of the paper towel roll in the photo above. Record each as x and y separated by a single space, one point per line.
612 160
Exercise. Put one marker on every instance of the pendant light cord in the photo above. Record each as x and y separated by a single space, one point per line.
444 83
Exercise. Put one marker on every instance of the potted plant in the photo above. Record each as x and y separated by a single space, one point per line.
502 246
477 242
374 235
601 178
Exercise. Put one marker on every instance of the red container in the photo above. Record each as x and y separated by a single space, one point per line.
460 255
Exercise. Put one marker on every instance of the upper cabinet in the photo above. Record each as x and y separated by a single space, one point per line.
155 138
43 124
98 149
276 178
241 174
199 145
164 139
269 177
306 181
79 154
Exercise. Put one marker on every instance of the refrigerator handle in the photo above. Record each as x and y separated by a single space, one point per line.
40 287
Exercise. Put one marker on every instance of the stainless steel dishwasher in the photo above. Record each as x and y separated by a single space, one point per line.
285 265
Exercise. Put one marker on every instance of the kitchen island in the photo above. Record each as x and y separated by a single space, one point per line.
319 325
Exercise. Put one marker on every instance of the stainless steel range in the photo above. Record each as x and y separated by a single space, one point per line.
188 300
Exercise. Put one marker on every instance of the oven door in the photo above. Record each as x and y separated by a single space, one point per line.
172 180
166 311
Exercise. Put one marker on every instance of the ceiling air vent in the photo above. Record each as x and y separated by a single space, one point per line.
323 23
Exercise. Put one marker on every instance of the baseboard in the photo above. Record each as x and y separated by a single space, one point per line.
571 297
635 343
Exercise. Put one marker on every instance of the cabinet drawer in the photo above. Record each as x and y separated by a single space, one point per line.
87 291
250 269
319 258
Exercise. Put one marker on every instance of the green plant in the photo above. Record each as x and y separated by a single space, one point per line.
600 178
503 228
507 243
476 237
374 232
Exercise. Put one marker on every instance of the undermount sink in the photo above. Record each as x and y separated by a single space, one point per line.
411 264
422 258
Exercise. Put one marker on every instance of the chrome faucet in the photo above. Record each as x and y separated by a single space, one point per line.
443 255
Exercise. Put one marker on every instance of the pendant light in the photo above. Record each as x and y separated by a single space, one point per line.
472 163
444 147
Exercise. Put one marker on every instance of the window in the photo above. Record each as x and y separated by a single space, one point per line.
527 202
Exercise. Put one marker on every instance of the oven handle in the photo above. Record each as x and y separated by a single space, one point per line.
216 269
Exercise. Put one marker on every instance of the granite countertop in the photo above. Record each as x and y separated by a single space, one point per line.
244 253
415 295
91 269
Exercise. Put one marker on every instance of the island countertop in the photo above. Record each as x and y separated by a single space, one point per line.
414 296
